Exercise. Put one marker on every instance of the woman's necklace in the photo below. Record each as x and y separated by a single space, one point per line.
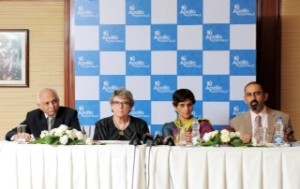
121 131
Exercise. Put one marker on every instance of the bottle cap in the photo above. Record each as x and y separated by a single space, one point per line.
279 118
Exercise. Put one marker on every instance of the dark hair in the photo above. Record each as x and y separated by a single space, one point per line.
254 83
182 95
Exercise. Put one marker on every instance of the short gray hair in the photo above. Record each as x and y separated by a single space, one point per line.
124 94
38 99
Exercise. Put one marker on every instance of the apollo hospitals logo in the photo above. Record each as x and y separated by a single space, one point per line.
85 13
163 38
85 63
162 89
86 113
237 112
188 63
188 12
138 113
137 63
137 13
214 88
109 89
214 38
241 63
242 12
111 38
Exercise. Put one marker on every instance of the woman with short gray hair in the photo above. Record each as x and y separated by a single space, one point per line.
121 125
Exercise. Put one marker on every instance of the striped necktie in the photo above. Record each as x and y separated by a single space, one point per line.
258 128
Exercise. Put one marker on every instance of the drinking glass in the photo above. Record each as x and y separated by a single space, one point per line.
180 137
261 135
264 135
21 129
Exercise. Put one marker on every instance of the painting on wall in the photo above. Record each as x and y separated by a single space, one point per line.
14 58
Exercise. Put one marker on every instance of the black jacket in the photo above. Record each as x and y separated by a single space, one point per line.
36 121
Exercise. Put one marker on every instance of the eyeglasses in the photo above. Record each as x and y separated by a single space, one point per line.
121 103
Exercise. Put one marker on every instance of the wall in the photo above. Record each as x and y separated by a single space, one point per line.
46 47
45 21
290 82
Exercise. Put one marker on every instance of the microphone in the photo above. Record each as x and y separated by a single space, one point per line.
169 141
135 140
147 138
159 140
83 131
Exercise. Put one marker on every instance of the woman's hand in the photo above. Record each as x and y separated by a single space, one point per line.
188 137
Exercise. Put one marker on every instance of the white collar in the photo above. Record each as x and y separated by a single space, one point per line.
49 116
262 113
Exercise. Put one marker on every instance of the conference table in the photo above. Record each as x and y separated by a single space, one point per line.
38 166
224 168
142 167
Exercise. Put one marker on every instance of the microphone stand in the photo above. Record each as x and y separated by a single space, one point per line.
135 140
169 141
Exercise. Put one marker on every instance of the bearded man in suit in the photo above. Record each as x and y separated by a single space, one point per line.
255 97
37 120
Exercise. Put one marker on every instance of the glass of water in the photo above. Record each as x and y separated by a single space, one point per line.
21 129
180 137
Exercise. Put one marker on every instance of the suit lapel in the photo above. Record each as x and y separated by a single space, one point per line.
248 128
43 120
57 122
271 120
58 118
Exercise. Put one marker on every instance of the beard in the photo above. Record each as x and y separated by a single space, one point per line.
254 105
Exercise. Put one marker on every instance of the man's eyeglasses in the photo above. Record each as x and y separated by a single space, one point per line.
121 103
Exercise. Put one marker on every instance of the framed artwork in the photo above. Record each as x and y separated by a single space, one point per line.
14 58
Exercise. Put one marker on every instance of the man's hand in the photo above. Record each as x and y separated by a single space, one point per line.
246 138
25 136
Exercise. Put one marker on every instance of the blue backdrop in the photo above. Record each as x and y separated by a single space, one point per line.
153 47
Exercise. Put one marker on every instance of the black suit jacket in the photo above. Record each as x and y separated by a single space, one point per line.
36 121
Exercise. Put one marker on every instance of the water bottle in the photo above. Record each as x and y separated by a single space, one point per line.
279 135
195 131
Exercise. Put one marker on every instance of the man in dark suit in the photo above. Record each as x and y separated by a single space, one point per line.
255 97
38 120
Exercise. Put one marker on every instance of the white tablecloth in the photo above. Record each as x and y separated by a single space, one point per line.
223 168
111 167
33 166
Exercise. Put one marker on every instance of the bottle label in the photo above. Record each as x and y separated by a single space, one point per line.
278 140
